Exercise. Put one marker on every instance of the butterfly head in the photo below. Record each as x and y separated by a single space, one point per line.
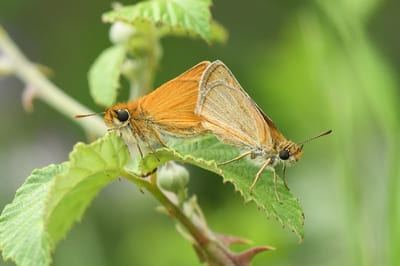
289 152
117 116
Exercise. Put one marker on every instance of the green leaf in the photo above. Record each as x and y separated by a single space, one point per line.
172 16
104 75
217 31
205 151
23 234
52 198
91 168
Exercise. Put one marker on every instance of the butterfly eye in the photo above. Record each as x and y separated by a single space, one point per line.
284 154
122 115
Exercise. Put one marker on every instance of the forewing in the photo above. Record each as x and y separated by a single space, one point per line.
172 105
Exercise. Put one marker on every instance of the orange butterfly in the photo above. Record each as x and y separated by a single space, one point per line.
167 111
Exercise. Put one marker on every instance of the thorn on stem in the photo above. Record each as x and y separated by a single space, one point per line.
245 257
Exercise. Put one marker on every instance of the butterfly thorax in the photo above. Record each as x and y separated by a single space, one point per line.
261 154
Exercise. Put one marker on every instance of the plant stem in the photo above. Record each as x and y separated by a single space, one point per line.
209 249
46 90
173 210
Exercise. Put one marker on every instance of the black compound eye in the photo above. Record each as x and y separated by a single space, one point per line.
284 154
122 115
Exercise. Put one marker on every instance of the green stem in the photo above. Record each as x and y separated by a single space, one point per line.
211 250
201 239
46 90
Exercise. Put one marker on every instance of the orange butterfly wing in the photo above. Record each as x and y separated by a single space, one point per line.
171 106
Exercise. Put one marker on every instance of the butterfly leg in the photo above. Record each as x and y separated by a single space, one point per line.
149 173
158 137
140 150
276 187
267 162
138 131
152 149
284 178
236 158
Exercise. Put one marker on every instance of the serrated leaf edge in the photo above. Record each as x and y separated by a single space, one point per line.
139 18
217 170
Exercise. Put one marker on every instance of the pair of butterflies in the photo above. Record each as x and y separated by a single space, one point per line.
206 98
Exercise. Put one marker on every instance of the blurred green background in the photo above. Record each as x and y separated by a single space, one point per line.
310 65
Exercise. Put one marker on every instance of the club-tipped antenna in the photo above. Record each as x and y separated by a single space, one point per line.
315 137
87 115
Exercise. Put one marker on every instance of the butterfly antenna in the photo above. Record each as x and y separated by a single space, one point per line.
82 116
315 137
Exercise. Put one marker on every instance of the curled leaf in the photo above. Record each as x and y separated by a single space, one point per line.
104 75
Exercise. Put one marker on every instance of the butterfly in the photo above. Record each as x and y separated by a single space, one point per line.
235 119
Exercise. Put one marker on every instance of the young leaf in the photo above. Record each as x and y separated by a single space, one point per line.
206 151
91 168
217 32
23 234
104 75
52 198
172 16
